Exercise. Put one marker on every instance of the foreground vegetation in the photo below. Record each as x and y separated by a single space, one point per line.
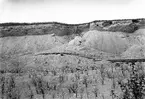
123 81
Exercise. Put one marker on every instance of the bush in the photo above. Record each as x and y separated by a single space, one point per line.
40 85
134 88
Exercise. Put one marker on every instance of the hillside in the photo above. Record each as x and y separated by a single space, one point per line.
96 60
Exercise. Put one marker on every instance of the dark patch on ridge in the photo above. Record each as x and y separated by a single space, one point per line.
106 23
124 28
135 21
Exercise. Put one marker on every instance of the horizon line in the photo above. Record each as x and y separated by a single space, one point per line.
55 22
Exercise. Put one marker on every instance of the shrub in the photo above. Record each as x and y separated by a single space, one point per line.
134 88
40 85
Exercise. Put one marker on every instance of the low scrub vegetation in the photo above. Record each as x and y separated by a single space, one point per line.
122 81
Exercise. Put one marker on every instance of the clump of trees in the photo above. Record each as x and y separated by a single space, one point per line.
134 88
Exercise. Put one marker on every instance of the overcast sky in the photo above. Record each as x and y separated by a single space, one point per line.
69 11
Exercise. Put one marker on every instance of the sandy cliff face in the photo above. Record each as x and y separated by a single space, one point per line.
28 38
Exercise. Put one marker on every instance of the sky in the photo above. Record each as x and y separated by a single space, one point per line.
69 11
